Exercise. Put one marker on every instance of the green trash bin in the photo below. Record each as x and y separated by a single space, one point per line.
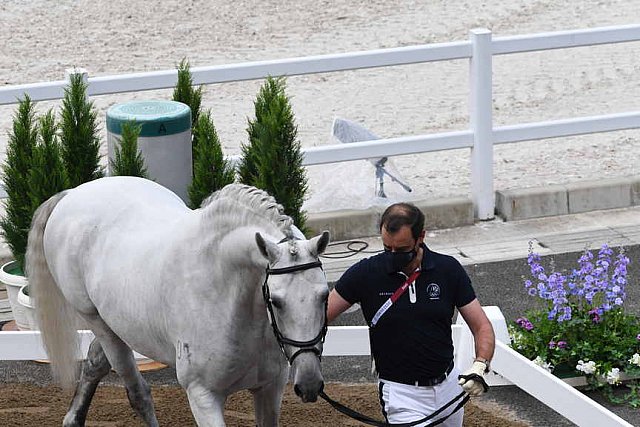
164 141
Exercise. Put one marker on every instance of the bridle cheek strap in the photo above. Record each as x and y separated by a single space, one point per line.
303 346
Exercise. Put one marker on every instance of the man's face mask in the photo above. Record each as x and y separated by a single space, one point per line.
399 260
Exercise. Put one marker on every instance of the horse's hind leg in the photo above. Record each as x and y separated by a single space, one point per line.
93 370
121 359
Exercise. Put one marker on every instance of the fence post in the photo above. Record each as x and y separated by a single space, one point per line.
481 108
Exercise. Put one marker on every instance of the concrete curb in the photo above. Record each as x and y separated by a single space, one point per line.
351 224
511 205
571 198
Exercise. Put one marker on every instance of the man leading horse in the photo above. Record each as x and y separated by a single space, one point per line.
408 295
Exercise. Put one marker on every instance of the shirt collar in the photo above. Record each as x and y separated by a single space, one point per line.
427 258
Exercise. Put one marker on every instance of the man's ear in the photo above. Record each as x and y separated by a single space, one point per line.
423 233
267 248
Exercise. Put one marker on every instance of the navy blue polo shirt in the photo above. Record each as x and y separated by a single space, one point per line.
412 340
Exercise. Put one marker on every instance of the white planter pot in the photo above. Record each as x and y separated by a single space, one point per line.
13 282
5 309
27 305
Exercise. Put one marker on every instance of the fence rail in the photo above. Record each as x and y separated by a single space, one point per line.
481 136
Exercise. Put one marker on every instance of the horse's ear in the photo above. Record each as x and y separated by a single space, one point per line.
268 249
319 243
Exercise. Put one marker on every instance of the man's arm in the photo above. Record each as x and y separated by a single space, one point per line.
483 335
485 343
336 305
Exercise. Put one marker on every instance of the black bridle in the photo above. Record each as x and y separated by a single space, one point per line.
303 346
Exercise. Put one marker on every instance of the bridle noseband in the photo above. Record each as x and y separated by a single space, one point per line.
303 346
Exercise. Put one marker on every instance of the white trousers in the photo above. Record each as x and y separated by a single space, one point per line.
406 403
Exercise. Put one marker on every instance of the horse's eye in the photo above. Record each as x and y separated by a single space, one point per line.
276 302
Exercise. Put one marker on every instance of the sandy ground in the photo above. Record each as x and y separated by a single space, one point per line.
32 406
40 39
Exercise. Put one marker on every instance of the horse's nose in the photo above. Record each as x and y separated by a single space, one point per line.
308 392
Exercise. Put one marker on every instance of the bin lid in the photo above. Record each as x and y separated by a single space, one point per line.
156 117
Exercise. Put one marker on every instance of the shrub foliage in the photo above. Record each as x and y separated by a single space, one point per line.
127 159
47 175
211 171
21 144
272 160
80 134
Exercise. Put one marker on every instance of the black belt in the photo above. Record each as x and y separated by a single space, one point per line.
428 382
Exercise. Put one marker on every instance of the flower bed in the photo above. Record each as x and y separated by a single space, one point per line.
579 327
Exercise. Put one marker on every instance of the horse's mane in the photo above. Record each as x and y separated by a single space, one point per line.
238 204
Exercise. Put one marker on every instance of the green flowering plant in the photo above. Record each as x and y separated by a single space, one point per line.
580 326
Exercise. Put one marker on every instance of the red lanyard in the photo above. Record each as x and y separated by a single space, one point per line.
393 298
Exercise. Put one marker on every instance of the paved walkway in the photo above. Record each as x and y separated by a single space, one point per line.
497 240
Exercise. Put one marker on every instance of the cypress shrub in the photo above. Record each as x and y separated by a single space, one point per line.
211 171
47 175
272 160
16 170
127 159
80 137
186 93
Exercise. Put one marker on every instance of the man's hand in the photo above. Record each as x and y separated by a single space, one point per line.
474 388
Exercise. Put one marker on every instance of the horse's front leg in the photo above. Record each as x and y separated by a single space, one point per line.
267 401
207 407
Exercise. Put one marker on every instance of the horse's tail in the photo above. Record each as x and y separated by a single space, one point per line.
56 319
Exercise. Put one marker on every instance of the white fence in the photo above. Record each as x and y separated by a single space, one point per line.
481 136
512 367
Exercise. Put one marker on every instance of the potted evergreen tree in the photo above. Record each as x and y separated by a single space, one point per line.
186 93
18 205
272 160
80 136
46 178
38 167
211 171
127 159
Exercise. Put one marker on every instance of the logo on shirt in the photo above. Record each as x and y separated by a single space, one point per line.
433 291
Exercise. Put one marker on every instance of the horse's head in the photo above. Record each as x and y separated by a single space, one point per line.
295 292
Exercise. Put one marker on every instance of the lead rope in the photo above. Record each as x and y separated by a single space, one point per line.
367 420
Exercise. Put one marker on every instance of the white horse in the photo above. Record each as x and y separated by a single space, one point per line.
194 289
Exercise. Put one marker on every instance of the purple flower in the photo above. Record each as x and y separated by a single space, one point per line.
552 344
523 322
596 287
638 337
562 344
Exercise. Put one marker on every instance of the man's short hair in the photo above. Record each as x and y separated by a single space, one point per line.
398 215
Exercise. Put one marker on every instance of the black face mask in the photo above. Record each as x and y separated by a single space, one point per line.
399 260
